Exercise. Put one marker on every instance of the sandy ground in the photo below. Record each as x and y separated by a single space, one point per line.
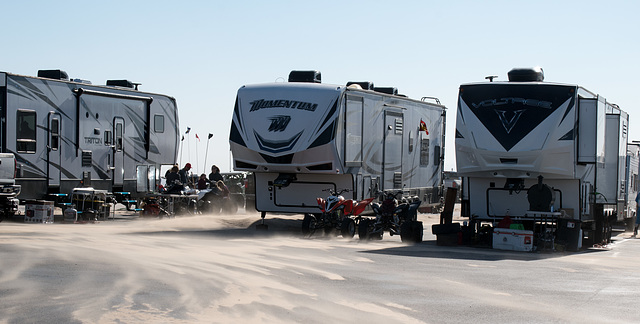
186 269
219 269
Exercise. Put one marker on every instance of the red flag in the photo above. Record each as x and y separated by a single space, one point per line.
423 126
197 137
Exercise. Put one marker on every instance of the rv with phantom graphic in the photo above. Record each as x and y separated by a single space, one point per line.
67 133
544 153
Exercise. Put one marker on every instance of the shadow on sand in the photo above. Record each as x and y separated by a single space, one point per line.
291 227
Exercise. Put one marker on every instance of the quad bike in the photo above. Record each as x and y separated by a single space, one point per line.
162 206
396 218
213 201
336 214
170 202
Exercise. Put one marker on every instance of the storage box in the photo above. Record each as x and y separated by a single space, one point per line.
512 239
38 211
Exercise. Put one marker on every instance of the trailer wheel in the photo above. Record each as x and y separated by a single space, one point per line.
308 225
348 228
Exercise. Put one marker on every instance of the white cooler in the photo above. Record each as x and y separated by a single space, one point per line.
512 239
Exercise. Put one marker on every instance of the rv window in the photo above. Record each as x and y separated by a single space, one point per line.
107 137
424 152
158 123
410 141
142 178
119 135
398 126
26 131
55 134
353 137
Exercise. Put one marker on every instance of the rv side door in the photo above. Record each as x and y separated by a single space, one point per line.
118 152
392 157
53 150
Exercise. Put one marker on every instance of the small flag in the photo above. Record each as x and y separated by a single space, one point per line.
197 137
188 130
423 126
210 136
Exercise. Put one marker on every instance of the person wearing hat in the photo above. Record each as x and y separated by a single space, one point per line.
184 174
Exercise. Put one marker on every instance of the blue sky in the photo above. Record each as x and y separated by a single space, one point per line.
201 52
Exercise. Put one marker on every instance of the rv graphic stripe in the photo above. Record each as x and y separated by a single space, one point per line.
511 111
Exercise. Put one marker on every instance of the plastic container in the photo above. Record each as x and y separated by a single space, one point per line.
512 239
38 211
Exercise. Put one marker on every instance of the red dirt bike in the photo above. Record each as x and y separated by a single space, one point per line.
336 214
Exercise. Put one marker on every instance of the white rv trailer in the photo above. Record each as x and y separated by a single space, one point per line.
301 137
532 149
68 133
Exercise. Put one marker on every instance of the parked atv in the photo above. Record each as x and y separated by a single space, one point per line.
398 219
212 201
336 215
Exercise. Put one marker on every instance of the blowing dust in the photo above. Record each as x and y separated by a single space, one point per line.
202 268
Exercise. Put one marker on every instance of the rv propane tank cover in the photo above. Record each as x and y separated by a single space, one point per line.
305 76
526 74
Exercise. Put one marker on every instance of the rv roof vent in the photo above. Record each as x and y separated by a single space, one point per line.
123 83
388 90
53 74
305 76
366 85
81 81
526 74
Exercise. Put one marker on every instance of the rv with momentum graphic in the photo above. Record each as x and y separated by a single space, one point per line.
69 133
542 152
302 137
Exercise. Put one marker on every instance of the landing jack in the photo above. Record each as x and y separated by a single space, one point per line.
262 226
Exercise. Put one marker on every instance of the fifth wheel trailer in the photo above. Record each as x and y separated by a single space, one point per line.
68 133
532 150
301 137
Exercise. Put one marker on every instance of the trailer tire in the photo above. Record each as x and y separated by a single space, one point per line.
348 228
308 225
